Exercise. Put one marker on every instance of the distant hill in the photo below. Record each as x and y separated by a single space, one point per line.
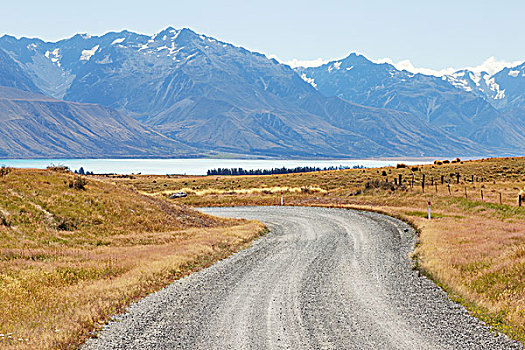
36 126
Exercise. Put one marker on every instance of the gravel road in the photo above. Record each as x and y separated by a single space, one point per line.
321 279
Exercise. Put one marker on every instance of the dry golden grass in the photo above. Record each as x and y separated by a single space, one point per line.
481 264
69 259
474 247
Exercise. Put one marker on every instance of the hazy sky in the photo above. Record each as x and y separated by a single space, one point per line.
432 34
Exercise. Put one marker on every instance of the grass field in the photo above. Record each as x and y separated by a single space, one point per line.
474 247
70 258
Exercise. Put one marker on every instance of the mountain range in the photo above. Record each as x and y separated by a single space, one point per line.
183 94
481 108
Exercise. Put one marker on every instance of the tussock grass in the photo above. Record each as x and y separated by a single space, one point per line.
70 258
245 191
474 248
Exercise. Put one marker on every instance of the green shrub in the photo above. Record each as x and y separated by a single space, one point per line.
4 170
78 183
3 220
59 168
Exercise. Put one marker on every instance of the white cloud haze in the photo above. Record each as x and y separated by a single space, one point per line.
491 65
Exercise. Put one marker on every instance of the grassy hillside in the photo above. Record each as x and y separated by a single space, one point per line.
70 257
474 246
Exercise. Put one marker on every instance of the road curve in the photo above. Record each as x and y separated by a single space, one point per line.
321 279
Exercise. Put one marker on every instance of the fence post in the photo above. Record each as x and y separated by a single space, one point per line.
442 179
457 178
466 195
500 201
448 185
282 199
423 183
429 210
482 195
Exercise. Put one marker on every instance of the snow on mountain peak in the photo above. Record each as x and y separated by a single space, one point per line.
310 81
54 56
479 82
490 82
475 77
168 34
87 54
118 41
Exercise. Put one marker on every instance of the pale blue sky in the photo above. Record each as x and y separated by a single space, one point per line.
433 34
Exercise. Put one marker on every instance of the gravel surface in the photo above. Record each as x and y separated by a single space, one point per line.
321 279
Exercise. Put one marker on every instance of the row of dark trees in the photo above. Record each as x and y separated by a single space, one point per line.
275 171
81 171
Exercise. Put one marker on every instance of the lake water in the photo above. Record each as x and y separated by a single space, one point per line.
193 166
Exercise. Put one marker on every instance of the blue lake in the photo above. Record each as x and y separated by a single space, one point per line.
194 166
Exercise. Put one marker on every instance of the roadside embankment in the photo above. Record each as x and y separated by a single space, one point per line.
74 251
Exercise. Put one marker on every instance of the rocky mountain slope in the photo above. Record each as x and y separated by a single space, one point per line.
505 89
37 126
12 75
461 104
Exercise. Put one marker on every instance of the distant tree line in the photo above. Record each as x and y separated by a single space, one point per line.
81 171
275 171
